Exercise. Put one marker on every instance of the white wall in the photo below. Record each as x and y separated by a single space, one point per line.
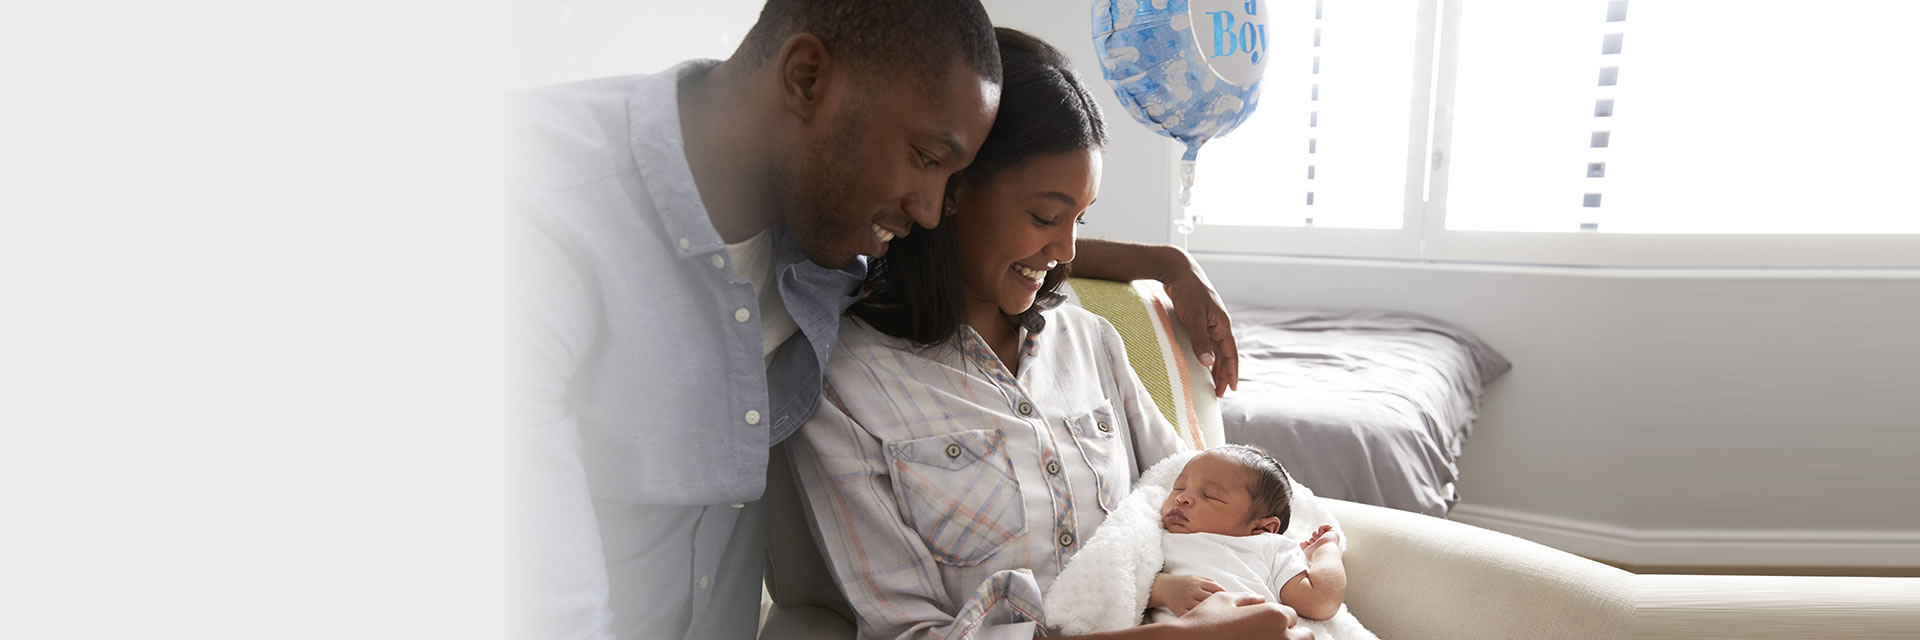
563 40
1669 417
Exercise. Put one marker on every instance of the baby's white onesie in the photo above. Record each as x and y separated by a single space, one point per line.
1257 564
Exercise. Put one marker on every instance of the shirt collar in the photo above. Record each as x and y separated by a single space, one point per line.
975 348
659 149
787 254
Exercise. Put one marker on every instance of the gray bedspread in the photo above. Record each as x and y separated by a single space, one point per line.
1366 406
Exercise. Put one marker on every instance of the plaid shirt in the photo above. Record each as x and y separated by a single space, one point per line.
948 492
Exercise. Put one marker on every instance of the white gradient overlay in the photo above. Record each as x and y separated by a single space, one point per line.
248 347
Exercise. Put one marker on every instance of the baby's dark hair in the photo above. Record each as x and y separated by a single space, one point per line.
1272 494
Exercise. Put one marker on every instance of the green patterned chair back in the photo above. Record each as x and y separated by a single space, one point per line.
1159 351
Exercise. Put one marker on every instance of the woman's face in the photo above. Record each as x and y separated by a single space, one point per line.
1020 224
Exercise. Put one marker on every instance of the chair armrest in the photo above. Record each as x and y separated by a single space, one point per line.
805 622
1768 607
1416 576
1159 351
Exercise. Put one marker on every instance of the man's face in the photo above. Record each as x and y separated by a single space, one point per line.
882 161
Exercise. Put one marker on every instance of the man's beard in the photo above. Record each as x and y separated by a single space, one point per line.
818 196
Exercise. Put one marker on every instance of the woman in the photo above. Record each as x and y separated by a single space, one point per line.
968 443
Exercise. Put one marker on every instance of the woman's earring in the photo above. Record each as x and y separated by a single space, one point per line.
947 208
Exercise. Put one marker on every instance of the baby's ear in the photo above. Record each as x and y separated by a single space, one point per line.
1269 524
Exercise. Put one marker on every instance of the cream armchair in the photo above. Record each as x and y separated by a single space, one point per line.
1416 576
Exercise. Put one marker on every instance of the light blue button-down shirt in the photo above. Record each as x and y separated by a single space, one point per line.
644 404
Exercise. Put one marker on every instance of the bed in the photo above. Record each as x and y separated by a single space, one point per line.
1364 406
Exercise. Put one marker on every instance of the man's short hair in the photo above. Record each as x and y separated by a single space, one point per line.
918 37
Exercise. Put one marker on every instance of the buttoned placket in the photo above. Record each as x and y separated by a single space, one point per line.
741 297
738 302
707 552
1059 488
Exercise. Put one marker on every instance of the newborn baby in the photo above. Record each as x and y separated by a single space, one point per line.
1223 521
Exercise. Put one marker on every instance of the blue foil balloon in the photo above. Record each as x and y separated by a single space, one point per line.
1187 69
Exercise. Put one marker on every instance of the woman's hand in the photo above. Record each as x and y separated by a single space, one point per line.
1180 594
1195 303
1204 316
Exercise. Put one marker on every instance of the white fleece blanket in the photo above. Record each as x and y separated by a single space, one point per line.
1089 597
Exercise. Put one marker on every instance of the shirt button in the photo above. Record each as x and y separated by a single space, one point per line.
719 262
1026 409
684 244
1106 427
742 315
1066 539
953 451
753 417
1053 467
705 582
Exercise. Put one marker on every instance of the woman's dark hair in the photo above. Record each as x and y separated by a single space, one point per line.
915 291
1272 493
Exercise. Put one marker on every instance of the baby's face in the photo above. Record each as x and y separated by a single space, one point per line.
1210 496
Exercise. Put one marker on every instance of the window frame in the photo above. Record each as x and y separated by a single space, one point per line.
1423 235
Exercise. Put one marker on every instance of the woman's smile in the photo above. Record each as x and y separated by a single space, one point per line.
1030 277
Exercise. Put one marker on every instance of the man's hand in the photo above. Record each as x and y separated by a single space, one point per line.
1181 594
1241 615
1204 317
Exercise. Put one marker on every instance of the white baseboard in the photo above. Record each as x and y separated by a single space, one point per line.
1701 547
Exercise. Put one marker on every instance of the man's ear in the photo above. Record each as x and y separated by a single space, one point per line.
1269 524
957 193
805 70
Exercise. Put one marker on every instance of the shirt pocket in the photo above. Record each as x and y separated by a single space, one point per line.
958 492
1104 451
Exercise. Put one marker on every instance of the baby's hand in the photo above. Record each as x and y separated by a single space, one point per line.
1321 537
1181 594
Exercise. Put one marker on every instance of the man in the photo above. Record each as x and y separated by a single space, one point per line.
691 239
